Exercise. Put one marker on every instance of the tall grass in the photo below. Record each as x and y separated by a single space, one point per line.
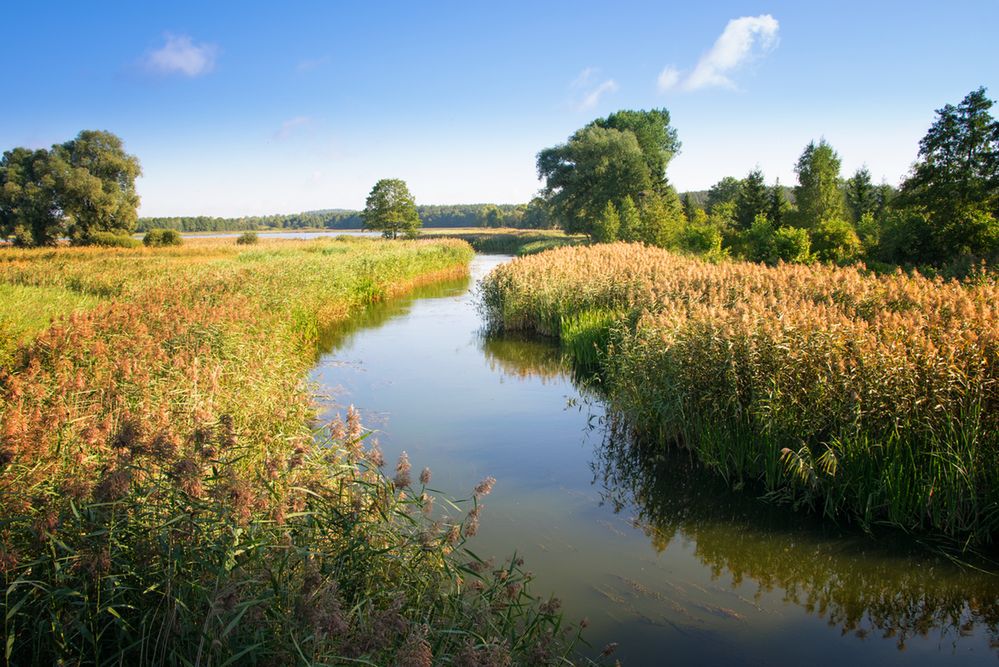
165 499
871 398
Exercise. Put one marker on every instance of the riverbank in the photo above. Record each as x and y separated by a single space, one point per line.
166 498
866 398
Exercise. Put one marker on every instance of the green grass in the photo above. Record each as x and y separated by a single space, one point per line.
167 497
26 310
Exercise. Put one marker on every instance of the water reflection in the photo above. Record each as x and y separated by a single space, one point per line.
524 357
662 559
884 588
381 312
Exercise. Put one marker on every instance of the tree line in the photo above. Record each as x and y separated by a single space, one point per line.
609 181
432 215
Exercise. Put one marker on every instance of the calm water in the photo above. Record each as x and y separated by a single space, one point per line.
658 557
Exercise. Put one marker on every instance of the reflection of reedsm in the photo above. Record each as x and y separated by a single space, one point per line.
853 582
523 357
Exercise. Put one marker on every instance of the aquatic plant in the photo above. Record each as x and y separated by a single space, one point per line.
165 499
867 397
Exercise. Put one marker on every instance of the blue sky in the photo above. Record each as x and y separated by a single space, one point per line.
254 108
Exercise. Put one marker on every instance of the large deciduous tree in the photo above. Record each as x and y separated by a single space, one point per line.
658 141
29 208
595 166
390 209
623 155
77 188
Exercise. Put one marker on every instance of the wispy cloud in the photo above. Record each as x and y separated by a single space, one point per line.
312 63
181 55
289 126
588 91
744 39
668 78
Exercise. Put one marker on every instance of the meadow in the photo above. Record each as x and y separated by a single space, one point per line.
869 399
168 497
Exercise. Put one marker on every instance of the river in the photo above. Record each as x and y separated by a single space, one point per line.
659 558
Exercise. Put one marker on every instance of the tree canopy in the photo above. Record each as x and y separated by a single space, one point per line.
76 189
595 166
955 180
390 209
818 194
623 155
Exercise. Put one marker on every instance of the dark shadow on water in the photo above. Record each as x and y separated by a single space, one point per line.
887 587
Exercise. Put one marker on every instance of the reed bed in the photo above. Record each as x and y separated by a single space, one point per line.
872 398
166 500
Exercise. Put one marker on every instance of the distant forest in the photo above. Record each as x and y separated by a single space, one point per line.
457 215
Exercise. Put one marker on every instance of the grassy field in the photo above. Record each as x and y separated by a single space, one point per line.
870 398
168 498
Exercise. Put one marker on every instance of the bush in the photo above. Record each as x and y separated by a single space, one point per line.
111 240
162 237
22 238
791 245
763 243
702 239
835 240
247 238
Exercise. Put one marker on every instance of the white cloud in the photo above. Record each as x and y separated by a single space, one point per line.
180 55
290 125
589 91
668 78
743 40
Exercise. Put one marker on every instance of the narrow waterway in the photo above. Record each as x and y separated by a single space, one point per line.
659 558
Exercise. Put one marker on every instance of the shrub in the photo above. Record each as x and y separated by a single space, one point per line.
835 240
247 238
791 245
111 240
162 237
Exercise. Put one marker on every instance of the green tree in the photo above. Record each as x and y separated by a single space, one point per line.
661 219
96 183
80 188
390 209
595 166
491 216
29 208
818 194
835 240
956 177
753 199
778 206
725 191
656 139
861 194
537 215
605 229
884 194
630 220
